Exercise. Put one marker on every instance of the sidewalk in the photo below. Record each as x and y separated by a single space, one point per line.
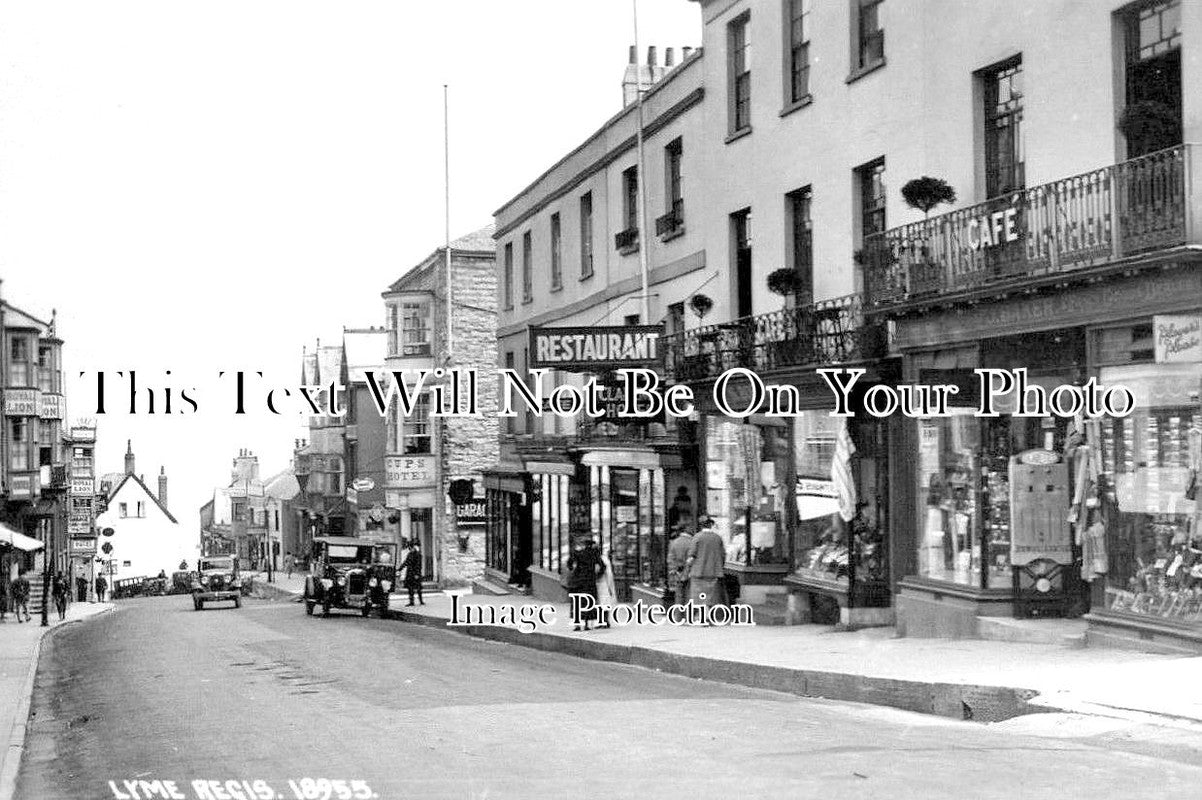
20 645
961 678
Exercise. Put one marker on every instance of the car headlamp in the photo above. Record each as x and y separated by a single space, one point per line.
338 581
386 585
204 581
372 582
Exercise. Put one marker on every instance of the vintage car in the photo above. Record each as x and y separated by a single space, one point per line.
216 579
345 572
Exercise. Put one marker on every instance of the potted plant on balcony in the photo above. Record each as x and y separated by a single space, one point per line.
1148 126
784 282
926 193
697 365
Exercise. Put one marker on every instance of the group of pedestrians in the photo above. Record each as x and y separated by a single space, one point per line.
696 564
16 593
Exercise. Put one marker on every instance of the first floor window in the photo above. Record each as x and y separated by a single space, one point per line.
18 447
415 437
415 328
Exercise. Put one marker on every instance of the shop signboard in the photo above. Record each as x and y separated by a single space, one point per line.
471 513
82 486
1177 338
52 406
409 472
22 402
363 484
1039 502
352 495
81 434
79 525
83 546
20 486
596 348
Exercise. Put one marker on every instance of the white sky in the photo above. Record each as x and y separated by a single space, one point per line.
207 186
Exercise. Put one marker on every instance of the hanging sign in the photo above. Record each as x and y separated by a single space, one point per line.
22 402
1177 338
596 348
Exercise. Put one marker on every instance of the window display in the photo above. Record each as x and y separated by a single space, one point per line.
1149 461
948 465
747 487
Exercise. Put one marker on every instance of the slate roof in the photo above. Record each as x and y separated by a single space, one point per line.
480 241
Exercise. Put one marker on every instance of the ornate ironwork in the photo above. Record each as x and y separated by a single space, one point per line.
1067 225
827 332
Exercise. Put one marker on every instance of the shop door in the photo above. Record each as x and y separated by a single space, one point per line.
625 534
421 528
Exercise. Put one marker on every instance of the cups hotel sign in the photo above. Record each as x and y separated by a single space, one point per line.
595 349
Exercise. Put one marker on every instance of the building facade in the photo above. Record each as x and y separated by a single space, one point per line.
915 193
146 537
441 315
596 250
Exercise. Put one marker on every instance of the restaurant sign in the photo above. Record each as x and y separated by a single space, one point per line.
409 472
1178 338
22 402
596 348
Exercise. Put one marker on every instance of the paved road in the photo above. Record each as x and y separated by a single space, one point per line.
158 691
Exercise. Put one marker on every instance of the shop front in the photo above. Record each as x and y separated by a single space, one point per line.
410 497
1026 515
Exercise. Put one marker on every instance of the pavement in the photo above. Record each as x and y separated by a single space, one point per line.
961 678
267 695
20 645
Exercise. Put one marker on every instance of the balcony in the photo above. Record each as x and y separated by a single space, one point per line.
1043 234
627 241
671 224
828 332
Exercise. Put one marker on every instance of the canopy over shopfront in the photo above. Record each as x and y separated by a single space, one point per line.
11 538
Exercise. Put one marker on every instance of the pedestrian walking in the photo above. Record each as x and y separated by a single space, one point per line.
102 586
412 568
60 591
81 588
707 559
20 595
678 561
607 593
584 567
3 596
289 563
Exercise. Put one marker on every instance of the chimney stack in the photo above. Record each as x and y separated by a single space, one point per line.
685 52
634 56
651 56
163 486
669 57
129 457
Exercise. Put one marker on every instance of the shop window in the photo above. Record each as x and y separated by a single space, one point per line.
1148 461
421 529
746 489
1003 93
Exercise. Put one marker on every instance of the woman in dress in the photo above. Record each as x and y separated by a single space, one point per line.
584 566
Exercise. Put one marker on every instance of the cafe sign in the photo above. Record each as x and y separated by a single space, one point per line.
22 402
1178 338
409 472
596 348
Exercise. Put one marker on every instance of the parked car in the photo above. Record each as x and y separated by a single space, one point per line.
129 587
345 572
181 582
216 579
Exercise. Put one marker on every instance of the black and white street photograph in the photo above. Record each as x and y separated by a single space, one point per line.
675 399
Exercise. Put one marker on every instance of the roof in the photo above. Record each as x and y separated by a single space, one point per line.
149 494
365 351
478 242
282 486
16 318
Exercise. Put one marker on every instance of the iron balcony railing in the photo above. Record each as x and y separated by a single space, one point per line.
672 221
627 239
1072 224
827 332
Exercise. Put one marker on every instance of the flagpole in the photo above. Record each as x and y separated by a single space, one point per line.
644 233
446 149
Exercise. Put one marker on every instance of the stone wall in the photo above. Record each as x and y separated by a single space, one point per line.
469 444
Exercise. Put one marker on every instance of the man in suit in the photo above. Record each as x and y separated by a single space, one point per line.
678 561
706 559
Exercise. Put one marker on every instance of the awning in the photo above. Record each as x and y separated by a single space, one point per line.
18 540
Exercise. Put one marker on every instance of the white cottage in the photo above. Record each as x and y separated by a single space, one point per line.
146 538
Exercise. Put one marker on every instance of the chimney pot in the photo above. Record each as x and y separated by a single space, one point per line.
634 56
669 57
651 56
685 52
